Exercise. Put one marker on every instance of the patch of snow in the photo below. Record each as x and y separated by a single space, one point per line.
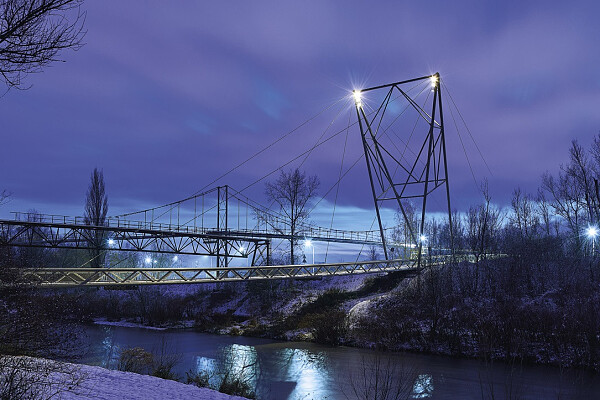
125 324
104 384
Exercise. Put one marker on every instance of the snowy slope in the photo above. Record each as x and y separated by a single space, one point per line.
104 384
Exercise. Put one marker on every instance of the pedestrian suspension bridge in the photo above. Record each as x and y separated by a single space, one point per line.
222 224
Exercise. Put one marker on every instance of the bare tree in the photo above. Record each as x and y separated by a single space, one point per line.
580 169
483 225
382 378
33 32
26 378
96 208
524 218
402 235
565 198
543 211
292 192
4 197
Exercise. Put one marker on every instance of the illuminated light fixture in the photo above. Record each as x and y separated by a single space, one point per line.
308 243
423 238
591 232
357 97
175 258
434 80
148 260
242 248
111 242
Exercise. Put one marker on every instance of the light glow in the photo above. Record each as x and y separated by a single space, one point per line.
242 248
423 238
434 80
357 97
111 242
148 260
591 232
308 243
175 258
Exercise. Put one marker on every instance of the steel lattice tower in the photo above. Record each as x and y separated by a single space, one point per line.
427 171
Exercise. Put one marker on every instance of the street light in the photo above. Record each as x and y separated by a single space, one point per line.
434 81
357 98
308 243
423 240
241 250
592 233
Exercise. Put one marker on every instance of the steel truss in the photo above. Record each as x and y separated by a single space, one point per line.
74 277
429 170
130 239
70 232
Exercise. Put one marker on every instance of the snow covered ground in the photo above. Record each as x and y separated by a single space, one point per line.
104 384
125 324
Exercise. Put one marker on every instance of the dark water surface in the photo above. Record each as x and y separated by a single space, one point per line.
298 370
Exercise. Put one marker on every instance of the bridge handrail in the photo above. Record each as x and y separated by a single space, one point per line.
165 269
307 231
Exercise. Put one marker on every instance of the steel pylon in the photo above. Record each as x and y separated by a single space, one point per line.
393 177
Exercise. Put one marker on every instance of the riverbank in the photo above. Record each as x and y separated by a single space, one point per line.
310 371
67 381
507 309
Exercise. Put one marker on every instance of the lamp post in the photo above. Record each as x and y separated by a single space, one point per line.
308 243
423 240
592 233
241 251
110 243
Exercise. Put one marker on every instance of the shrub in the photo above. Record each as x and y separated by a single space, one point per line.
198 378
236 385
328 327
26 378
136 360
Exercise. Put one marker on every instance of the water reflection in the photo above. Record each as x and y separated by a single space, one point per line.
110 350
305 371
423 387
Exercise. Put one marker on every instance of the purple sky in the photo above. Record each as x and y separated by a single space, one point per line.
166 97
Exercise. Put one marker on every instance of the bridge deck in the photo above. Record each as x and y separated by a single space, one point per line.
77 277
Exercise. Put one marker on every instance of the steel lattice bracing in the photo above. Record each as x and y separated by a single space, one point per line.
70 232
77 277
72 277
61 232
395 175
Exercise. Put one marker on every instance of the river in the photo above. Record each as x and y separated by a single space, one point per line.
307 371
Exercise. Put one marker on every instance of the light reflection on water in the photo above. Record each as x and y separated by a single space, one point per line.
305 371
423 387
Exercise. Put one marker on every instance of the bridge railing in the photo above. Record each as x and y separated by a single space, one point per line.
308 231
117 276
69 277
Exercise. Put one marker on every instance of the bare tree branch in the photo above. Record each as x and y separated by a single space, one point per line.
33 32
292 191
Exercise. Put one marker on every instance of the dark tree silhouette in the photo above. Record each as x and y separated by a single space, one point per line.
32 32
292 191
96 208
4 196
